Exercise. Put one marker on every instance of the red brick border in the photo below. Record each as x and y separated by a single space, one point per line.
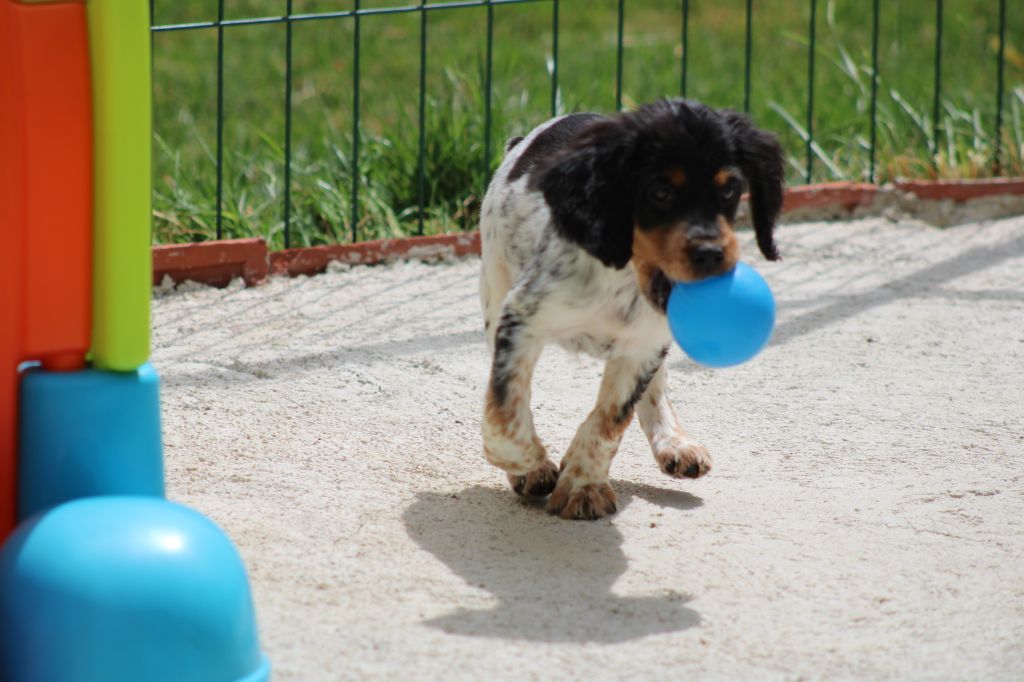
314 259
849 195
217 263
961 190
214 263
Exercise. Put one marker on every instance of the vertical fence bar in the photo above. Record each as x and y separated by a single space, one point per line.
220 117
1000 66
874 90
618 59
938 80
288 126
554 58
810 92
420 171
354 193
488 85
686 45
747 54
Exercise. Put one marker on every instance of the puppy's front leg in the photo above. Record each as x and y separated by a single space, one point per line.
676 452
583 491
510 441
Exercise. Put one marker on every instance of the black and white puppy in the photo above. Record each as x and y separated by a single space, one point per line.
585 225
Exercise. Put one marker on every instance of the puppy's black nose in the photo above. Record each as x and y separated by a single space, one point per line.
707 258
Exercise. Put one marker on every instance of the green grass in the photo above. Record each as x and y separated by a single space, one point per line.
322 89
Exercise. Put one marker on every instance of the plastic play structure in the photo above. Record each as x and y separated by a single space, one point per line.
101 578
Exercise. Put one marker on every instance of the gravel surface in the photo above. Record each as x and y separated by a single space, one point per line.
865 517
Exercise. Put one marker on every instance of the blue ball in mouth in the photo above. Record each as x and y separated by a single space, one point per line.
724 320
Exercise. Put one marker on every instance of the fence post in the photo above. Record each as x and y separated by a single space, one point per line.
354 194
288 125
810 93
488 84
618 59
220 117
686 45
874 89
1000 66
747 55
554 59
938 82
420 179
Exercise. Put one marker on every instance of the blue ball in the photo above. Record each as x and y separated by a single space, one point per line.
724 320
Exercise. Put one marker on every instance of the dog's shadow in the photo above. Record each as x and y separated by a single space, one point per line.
553 578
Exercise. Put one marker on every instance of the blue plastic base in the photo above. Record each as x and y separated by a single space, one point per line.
123 589
88 433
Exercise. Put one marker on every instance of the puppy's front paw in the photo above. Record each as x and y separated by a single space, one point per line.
591 501
537 483
516 457
683 458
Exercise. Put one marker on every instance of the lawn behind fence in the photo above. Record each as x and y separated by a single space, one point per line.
185 90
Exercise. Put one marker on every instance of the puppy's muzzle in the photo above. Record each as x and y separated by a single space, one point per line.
706 252
706 259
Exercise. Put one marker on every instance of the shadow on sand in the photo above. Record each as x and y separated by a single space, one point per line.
553 578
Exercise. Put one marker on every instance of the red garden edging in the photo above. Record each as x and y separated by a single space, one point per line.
961 190
214 263
314 259
218 262
848 195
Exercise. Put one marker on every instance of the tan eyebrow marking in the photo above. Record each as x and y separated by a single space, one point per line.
676 176
723 176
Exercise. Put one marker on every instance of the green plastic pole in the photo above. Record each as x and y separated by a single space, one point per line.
119 48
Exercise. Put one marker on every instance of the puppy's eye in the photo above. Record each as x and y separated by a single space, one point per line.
730 191
659 194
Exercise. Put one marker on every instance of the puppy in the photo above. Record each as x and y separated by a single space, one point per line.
585 225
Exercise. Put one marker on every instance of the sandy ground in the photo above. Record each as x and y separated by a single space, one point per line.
865 518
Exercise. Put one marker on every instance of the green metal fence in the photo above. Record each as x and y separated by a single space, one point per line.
357 12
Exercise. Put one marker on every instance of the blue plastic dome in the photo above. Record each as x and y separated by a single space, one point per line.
125 589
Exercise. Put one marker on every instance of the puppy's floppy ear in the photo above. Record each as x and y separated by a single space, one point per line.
760 159
589 190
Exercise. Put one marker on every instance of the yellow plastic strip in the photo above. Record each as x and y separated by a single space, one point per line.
119 46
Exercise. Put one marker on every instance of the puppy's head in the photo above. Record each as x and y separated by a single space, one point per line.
660 186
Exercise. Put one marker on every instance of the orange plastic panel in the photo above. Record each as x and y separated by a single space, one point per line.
58 190
45 204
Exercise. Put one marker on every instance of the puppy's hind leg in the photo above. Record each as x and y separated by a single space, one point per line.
676 452
510 441
495 282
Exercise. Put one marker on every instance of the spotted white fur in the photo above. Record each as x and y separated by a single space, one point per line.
538 288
